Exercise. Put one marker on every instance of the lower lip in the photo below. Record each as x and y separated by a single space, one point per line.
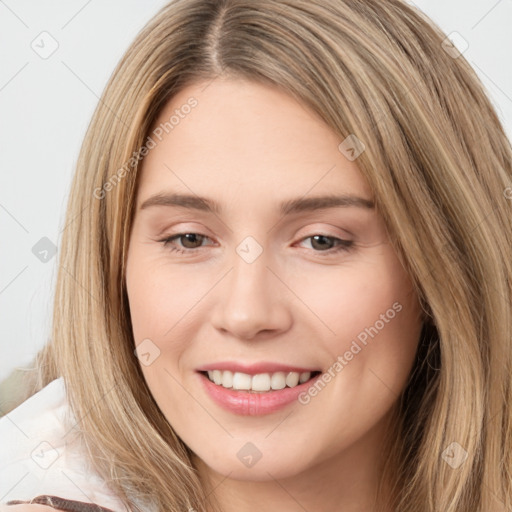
254 404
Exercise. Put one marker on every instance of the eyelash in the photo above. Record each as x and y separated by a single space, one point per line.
343 245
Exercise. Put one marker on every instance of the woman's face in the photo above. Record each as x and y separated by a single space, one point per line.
262 280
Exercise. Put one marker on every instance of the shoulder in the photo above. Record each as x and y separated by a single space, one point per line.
40 453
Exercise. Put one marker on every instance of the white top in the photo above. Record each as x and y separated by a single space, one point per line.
39 453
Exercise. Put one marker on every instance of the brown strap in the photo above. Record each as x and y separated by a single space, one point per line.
63 504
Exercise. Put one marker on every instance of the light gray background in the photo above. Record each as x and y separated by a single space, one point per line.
46 105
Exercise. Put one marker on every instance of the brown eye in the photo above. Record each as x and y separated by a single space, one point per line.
322 242
189 242
328 244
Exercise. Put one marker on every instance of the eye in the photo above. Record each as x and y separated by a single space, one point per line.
191 241
329 244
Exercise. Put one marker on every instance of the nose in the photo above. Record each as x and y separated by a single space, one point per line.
252 301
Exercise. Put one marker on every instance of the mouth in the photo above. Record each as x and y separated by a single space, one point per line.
256 394
260 382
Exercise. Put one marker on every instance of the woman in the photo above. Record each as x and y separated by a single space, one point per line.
208 352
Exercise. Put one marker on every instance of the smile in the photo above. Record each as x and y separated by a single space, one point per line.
259 383
254 392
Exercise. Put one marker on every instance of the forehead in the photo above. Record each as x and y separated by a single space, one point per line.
249 137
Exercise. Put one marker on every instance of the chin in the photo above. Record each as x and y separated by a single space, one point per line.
264 469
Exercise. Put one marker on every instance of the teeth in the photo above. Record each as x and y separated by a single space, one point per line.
278 380
241 381
292 379
227 379
217 376
260 382
304 376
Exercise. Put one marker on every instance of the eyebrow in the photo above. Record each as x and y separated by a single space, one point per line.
289 207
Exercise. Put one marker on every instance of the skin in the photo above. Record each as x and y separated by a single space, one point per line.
250 146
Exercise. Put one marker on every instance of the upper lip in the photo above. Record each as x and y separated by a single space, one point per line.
254 368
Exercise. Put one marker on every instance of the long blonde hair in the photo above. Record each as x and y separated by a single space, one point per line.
440 166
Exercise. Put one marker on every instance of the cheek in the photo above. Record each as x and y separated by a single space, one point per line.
160 298
166 311
160 302
368 313
354 297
